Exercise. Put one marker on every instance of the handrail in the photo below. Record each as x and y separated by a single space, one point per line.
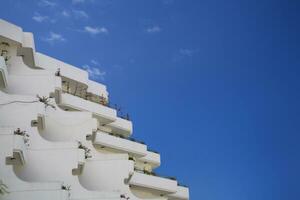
155 174
153 151
130 138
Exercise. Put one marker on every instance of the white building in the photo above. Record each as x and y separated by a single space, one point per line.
60 140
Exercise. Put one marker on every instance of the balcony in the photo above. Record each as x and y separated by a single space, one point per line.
120 127
152 158
3 73
97 88
181 193
19 148
120 144
103 113
66 70
153 183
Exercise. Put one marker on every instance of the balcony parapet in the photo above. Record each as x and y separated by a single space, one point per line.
3 73
120 144
159 184
120 127
182 193
68 71
152 158
103 113
97 88
11 32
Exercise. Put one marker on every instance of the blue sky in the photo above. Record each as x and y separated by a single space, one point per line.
212 85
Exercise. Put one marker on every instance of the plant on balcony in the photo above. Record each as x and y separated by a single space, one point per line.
57 73
24 134
4 52
46 101
67 188
131 158
123 196
87 151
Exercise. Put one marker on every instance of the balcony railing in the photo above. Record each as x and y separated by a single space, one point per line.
80 90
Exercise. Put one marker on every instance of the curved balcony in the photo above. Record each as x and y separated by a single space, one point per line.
3 73
120 127
46 191
182 193
103 113
120 144
65 126
153 183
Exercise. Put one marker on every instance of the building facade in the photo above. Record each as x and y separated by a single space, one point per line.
60 139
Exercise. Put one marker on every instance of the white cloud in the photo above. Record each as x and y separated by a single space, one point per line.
54 37
47 3
94 72
95 62
153 29
182 54
80 14
39 18
82 1
186 52
65 13
78 1
95 30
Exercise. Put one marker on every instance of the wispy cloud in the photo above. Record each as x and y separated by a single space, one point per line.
95 30
95 62
182 54
80 14
83 1
39 18
186 52
65 13
42 18
77 1
94 72
153 29
47 3
54 37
